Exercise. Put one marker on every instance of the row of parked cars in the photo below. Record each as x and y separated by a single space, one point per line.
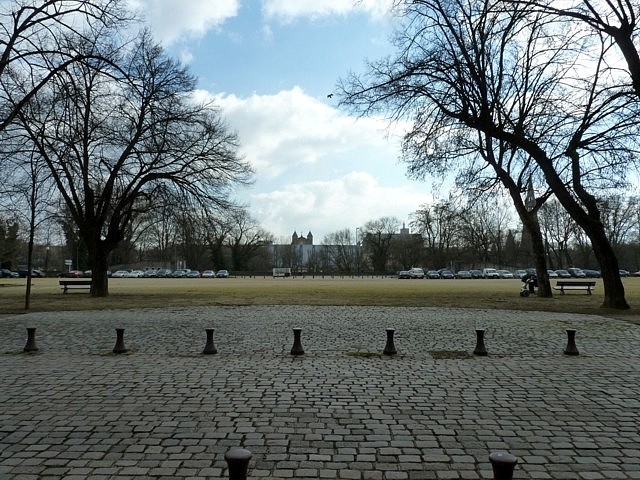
419 273
167 273
22 273
447 274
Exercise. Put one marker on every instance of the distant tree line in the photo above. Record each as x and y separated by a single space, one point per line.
454 233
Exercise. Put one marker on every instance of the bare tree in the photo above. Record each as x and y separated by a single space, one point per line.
27 192
111 145
245 239
559 232
439 227
341 251
376 241
508 88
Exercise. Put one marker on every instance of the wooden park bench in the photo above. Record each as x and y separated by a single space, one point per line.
587 285
67 285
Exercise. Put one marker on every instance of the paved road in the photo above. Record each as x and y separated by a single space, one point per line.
342 410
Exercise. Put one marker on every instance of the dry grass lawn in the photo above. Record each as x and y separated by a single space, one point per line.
150 293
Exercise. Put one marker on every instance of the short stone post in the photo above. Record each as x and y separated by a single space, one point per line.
209 348
503 464
480 348
297 343
238 463
390 347
119 346
31 341
571 348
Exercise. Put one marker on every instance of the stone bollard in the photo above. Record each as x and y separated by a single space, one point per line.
297 343
31 341
571 348
119 346
480 348
503 464
209 348
238 463
390 347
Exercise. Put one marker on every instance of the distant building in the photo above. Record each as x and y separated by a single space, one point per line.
300 240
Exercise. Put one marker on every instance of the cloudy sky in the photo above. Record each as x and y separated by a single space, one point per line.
270 65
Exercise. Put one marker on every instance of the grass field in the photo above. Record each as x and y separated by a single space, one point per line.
152 293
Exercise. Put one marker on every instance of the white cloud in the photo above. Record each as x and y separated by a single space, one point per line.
290 129
317 168
287 10
171 20
323 207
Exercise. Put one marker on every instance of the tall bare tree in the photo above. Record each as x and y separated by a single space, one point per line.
508 87
111 140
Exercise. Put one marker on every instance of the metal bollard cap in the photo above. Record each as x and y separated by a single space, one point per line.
238 454
504 458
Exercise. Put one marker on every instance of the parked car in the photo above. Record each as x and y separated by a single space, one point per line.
35 273
433 274
476 273
576 272
519 273
416 272
120 273
490 273
446 274
180 273
134 274
401 274
591 273
150 273
563 274
552 274
463 274
505 274
624 273
73 274
222 274
208 274
6 273
193 274
163 273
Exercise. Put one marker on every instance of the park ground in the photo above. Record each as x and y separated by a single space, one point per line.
75 410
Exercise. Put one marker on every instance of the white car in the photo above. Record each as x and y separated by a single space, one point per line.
505 274
134 274
208 274
490 273
416 272
120 273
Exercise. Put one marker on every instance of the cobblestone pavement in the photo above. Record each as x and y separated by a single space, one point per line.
342 410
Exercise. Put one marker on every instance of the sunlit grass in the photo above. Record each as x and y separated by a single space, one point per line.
153 293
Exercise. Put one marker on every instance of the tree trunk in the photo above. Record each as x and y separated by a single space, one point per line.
537 245
614 295
99 277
